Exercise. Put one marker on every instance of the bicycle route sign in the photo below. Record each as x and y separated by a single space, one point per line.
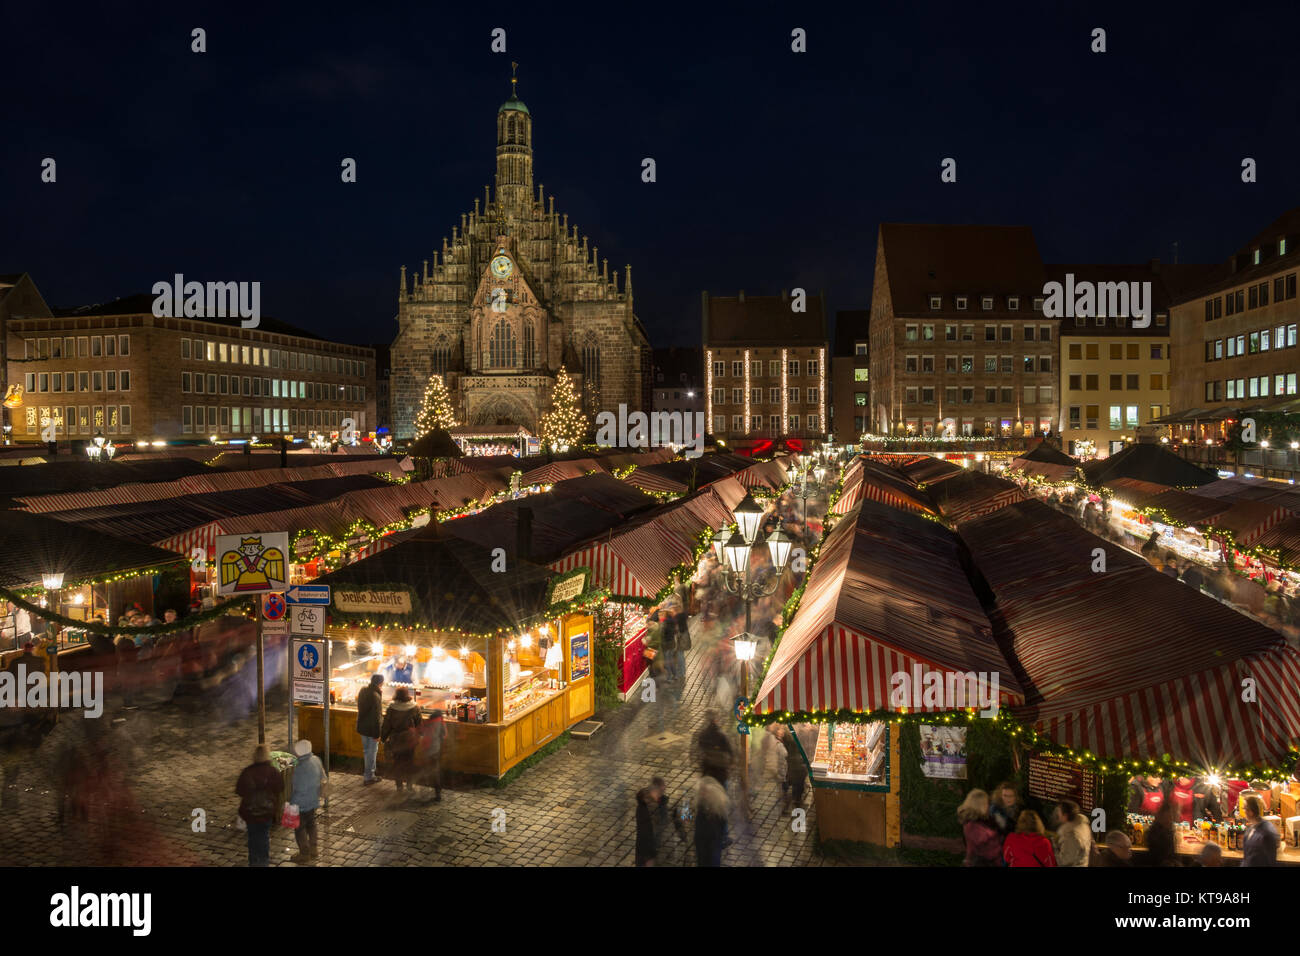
306 619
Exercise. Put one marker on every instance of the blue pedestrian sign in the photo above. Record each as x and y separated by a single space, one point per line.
308 657
309 594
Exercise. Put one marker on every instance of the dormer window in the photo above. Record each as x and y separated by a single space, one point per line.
986 303
1013 303
936 302
1038 303
1281 246
1162 318
1255 258
961 303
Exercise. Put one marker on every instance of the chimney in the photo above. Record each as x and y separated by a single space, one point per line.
785 295
742 297
524 534
1155 267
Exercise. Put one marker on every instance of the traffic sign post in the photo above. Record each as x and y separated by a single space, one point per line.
308 594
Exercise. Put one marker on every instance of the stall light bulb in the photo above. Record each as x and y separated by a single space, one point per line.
526 641
410 650
438 652
352 643
78 598
545 629
376 647
464 651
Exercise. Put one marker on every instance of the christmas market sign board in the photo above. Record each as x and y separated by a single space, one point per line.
568 588
943 751
252 563
1055 778
373 602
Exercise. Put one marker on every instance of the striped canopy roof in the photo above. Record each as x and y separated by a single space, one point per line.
887 594
1129 662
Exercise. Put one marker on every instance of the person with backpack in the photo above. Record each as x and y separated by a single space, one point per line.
370 701
261 791
401 736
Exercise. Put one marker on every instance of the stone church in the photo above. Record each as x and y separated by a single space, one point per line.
514 294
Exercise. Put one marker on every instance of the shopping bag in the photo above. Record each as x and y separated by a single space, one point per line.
290 819
240 825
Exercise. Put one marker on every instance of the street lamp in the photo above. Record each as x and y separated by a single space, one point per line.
740 578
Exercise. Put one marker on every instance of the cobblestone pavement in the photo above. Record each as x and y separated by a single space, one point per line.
573 808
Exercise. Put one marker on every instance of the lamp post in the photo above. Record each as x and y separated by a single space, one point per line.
52 581
739 578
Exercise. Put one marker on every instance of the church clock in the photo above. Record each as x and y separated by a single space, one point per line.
502 267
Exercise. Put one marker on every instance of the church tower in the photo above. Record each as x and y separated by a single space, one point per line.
515 292
514 185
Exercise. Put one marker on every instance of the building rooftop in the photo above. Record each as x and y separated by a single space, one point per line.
922 260
763 320
142 304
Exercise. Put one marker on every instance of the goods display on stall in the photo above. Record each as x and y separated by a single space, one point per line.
851 753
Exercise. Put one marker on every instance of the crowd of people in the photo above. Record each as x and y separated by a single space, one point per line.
1001 831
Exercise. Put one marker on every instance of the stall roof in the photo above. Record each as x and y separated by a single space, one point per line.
1130 663
971 495
929 470
881 483
453 583
1134 492
1247 520
17 481
34 545
889 591
1284 538
1186 508
1048 455
1147 462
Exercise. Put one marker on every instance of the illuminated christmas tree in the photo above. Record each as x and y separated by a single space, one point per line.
564 425
435 410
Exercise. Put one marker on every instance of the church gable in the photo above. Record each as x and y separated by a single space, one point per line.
503 284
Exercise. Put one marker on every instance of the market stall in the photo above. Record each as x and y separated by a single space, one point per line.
507 654
888 596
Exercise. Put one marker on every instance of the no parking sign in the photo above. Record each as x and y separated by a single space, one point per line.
273 607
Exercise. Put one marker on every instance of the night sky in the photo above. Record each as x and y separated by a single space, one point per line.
774 168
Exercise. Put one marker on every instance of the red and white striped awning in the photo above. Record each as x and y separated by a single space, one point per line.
607 570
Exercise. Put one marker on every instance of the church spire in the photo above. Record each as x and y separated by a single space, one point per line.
514 180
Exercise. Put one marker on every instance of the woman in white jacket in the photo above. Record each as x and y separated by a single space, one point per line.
1073 835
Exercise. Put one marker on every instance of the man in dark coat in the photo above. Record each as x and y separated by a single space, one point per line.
715 749
261 794
369 703
649 802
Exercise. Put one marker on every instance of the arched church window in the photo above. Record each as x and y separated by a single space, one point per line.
591 363
530 346
501 349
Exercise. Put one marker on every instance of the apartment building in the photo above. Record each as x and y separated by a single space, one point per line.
1235 342
959 344
118 370
765 366
850 396
1115 374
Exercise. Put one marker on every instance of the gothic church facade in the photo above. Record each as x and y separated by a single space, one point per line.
514 295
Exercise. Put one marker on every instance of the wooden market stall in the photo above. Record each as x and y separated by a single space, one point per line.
503 647
889 595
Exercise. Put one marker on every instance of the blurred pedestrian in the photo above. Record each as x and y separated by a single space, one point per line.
1119 850
1261 843
712 809
682 631
668 643
1005 809
1211 855
796 771
1159 837
714 749
433 732
261 791
308 782
1073 835
401 736
983 842
649 821
1029 845
369 701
